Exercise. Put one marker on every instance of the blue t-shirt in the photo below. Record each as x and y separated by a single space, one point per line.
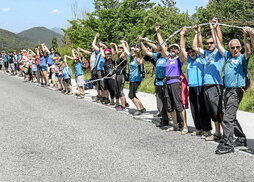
66 71
160 69
18 58
5 57
43 61
135 73
50 59
78 68
214 62
173 69
195 71
99 61
235 70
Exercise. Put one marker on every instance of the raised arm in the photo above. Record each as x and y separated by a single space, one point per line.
126 50
65 56
152 45
138 56
113 48
45 48
251 33
219 33
216 39
247 46
32 52
96 48
164 51
183 54
147 52
196 46
73 53
84 51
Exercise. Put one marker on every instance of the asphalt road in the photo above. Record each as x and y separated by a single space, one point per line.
47 136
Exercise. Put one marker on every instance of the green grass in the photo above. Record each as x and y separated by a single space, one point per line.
247 103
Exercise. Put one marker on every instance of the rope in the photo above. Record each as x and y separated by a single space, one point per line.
106 77
202 24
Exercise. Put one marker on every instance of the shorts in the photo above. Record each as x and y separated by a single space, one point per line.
68 81
34 72
80 80
173 94
43 68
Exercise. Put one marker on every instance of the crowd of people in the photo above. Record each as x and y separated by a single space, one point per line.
211 96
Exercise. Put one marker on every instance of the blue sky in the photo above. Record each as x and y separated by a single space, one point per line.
19 15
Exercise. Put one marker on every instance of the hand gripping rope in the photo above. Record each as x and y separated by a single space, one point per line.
202 24
106 77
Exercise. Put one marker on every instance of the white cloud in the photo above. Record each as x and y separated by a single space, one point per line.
56 11
5 9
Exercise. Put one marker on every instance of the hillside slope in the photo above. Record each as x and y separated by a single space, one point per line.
9 40
41 35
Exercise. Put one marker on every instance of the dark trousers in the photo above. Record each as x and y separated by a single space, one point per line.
101 85
119 85
230 125
110 86
161 102
199 113
213 101
173 94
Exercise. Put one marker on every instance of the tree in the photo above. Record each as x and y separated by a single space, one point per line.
105 4
54 42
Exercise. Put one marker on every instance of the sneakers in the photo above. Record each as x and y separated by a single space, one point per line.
157 114
120 108
105 101
137 113
224 149
205 134
80 97
195 133
239 143
184 131
162 124
143 110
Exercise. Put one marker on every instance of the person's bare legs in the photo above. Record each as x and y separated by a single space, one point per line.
184 118
136 103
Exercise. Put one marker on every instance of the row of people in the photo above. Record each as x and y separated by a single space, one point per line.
204 72
112 65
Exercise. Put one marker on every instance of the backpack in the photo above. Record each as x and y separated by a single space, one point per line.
141 68
88 85
85 64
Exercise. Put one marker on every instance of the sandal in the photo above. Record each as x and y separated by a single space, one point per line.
173 128
184 131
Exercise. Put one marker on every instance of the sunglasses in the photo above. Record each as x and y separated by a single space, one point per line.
174 48
209 43
107 54
189 52
120 47
235 47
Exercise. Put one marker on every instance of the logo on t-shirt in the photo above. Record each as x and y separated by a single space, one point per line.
234 61
172 62
160 62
